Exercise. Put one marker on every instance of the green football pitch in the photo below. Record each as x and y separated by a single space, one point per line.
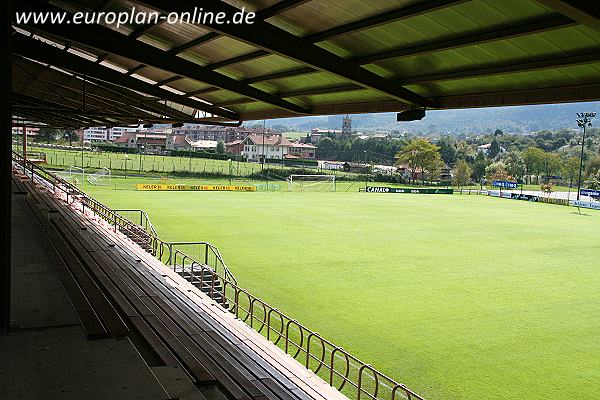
457 296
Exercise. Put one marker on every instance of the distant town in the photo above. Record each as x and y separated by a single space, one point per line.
536 157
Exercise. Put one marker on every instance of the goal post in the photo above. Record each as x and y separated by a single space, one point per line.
73 174
311 183
101 177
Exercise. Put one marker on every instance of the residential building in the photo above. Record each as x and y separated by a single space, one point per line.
202 145
30 131
224 134
485 148
236 147
261 147
99 134
152 142
302 150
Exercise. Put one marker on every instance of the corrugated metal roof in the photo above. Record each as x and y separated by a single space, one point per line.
481 49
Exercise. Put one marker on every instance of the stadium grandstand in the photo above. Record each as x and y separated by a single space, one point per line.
94 304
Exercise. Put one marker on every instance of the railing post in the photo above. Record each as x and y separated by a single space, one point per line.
205 254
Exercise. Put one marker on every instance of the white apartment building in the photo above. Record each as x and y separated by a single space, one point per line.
102 134
259 147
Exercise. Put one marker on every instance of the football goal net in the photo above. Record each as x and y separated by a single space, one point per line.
74 175
311 183
101 177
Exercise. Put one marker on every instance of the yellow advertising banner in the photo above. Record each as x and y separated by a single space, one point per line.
165 187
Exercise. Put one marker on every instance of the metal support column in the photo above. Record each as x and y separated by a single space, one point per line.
5 160
24 137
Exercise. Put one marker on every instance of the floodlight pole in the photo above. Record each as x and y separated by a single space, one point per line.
366 170
584 120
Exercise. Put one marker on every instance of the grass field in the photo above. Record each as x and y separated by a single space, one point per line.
160 165
295 135
464 297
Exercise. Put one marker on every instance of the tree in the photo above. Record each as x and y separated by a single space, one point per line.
70 136
498 132
497 172
434 169
461 174
592 166
463 151
48 134
515 165
220 147
593 182
479 166
494 149
570 169
552 165
534 161
547 188
447 149
419 154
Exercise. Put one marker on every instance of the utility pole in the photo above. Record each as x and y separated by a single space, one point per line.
583 120
229 171
264 157
125 161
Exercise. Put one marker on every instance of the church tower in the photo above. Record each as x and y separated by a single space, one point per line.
347 125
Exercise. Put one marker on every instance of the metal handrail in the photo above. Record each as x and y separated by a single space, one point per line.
332 363
218 266
144 219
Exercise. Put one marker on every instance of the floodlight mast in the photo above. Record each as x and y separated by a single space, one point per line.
584 120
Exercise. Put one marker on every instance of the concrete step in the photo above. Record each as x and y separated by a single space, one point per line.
207 288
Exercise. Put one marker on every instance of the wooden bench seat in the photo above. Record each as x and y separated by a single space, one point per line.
97 316
17 185
240 377
175 321
242 336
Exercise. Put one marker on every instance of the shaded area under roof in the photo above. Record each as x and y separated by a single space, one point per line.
301 57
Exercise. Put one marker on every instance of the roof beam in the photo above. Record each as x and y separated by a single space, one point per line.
585 12
72 115
387 17
278 8
116 96
193 43
574 58
356 26
169 80
29 103
486 35
271 38
268 12
262 14
558 94
37 50
94 103
110 41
